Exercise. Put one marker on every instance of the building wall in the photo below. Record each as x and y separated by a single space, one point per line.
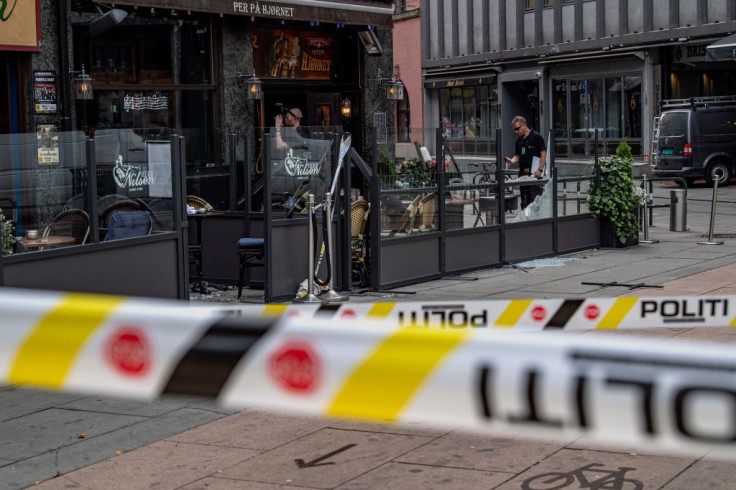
407 33
520 47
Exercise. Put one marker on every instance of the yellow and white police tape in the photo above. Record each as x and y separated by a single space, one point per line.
523 314
624 391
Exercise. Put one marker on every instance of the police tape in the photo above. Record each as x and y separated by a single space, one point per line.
522 314
678 397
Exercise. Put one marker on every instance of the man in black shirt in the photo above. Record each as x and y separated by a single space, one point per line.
531 152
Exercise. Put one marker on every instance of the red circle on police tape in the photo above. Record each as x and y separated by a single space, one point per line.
538 313
296 367
348 314
592 312
128 351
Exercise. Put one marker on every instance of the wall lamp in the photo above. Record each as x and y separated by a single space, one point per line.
82 84
346 109
253 86
394 87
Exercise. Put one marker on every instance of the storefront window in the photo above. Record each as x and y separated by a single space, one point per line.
469 116
609 108
153 73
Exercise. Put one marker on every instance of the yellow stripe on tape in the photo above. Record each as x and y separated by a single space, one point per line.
618 311
512 313
385 382
47 354
380 310
274 310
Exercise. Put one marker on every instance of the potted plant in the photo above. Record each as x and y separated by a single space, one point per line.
615 200
7 235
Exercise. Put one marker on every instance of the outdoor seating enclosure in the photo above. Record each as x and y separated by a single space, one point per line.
432 212
99 214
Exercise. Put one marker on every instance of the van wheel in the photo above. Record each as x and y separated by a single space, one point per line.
716 169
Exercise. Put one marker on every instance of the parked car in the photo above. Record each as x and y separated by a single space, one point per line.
697 139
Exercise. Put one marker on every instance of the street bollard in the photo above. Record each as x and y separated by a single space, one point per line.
645 214
713 214
678 210
310 297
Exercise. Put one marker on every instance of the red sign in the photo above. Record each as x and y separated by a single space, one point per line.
348 314
285 53
128 351
592 312
538 313
296 367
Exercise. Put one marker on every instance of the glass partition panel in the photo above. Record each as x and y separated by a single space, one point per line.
408 185
134 182
573 183
300 162
471 196
40 173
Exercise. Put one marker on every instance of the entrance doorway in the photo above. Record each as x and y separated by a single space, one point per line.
12 112
519 98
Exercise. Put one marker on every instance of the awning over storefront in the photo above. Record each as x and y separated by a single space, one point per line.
723 50
445 82
355 12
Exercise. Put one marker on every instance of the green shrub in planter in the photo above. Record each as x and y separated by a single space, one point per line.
616 198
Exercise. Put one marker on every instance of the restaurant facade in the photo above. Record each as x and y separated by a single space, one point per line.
151 98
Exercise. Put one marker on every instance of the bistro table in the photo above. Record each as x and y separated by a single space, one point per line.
195 251
49 241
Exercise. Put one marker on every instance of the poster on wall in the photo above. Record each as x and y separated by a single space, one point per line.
284 53
47 143
20 25
44 91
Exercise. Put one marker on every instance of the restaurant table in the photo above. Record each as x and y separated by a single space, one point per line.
195 251
49 241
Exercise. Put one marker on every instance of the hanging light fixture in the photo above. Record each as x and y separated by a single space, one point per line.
82 84
253 86
394 87
346 109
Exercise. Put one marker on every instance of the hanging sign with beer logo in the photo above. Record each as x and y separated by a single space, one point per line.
20 25
283 53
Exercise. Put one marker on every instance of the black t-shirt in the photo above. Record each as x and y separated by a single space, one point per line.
529 147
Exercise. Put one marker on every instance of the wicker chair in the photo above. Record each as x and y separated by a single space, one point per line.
72 222
359 211
114 202
427 213
405 225
75 202
162 213
198 203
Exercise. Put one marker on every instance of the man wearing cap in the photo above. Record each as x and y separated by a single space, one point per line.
292 119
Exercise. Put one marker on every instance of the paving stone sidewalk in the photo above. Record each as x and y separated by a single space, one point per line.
68 441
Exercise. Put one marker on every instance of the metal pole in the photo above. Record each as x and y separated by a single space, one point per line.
645 215
713 213
330 294
310 297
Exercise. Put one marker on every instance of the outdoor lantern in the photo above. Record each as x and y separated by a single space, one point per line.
346 109
253 86
394 87
82 84
394 90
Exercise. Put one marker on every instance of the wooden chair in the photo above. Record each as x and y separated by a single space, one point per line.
72 222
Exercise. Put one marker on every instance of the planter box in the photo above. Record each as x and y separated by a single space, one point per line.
608 236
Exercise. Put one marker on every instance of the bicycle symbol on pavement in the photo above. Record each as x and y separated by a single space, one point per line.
611 479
